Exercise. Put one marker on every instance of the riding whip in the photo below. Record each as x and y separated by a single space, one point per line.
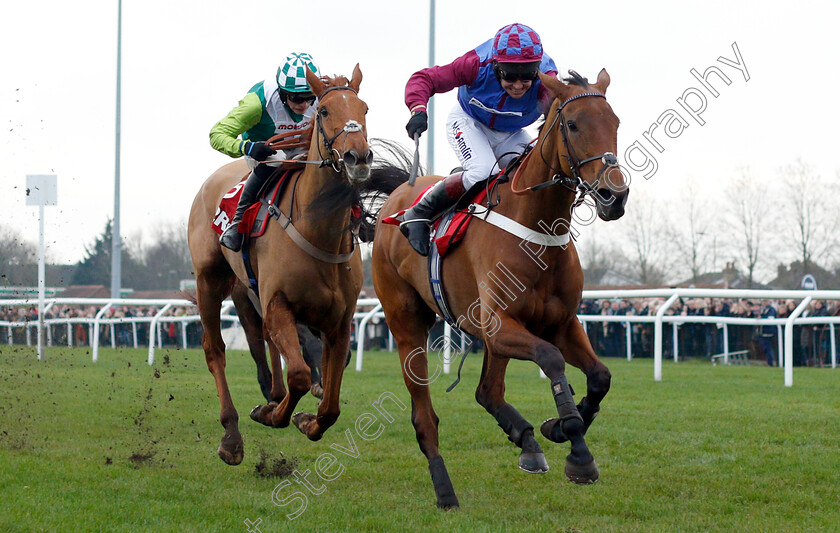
416 165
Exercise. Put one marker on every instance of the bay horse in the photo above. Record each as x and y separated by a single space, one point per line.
521 303
308 271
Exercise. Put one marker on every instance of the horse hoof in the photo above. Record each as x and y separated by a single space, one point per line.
317 391
448 503
584 474
303 421
262 414
552 429
231 451
533 462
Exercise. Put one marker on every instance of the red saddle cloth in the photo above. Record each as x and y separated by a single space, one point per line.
250 221
457 228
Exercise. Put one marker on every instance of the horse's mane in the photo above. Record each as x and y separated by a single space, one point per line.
389 171
576 79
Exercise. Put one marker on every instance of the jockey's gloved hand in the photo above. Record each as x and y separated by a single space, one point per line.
417 124
258 150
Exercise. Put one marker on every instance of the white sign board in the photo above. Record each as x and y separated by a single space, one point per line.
41 189
808 283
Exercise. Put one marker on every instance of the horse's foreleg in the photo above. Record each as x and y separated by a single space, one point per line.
490 394
512 340
578 350
210 294
279 328
252 324
333 358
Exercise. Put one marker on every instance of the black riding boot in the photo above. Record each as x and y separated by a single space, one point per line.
442 196
231 238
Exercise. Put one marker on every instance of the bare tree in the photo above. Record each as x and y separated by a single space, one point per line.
646 241
166 260
748 217
808 218
693 235
18 259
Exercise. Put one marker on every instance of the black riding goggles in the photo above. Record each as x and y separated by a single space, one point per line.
512 72
309 98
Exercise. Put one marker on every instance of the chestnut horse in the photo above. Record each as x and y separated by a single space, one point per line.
308 271
519 295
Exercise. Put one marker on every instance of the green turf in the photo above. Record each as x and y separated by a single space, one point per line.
121 446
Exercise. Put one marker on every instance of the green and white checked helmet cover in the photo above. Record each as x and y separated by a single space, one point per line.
291 75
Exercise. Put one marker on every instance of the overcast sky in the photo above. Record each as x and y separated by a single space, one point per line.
187 63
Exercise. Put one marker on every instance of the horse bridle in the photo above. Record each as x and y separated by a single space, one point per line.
334 158
574 182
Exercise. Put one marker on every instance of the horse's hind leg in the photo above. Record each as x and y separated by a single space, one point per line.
212 287
252 323
313 350
513 341
577 349
409 321
491 395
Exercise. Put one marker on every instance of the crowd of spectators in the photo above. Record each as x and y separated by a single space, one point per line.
811 342
81 332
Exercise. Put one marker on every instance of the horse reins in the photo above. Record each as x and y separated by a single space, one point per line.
574 182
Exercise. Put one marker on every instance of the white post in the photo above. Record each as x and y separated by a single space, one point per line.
447 348
41 190
360 336
789 340
676 342
153 326
657 337
629 341
41 282
781 344
833 346
95 343
725 345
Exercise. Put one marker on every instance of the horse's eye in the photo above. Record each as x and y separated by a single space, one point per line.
323 111
572 126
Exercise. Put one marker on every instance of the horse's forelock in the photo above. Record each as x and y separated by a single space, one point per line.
335 81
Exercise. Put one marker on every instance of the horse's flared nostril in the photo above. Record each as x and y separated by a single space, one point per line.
605 196
350 158
369 157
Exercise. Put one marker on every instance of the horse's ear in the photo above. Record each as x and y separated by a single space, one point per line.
357 78
556 87
318 87
603 81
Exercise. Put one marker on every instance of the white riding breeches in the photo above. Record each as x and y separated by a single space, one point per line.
480 149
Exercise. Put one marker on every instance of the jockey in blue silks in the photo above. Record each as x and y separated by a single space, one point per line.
499 94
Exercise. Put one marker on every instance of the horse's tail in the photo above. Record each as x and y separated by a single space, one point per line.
189 296
390 170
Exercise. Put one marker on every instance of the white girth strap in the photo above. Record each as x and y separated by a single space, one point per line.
515 228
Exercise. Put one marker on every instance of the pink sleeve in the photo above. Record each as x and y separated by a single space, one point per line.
424 83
